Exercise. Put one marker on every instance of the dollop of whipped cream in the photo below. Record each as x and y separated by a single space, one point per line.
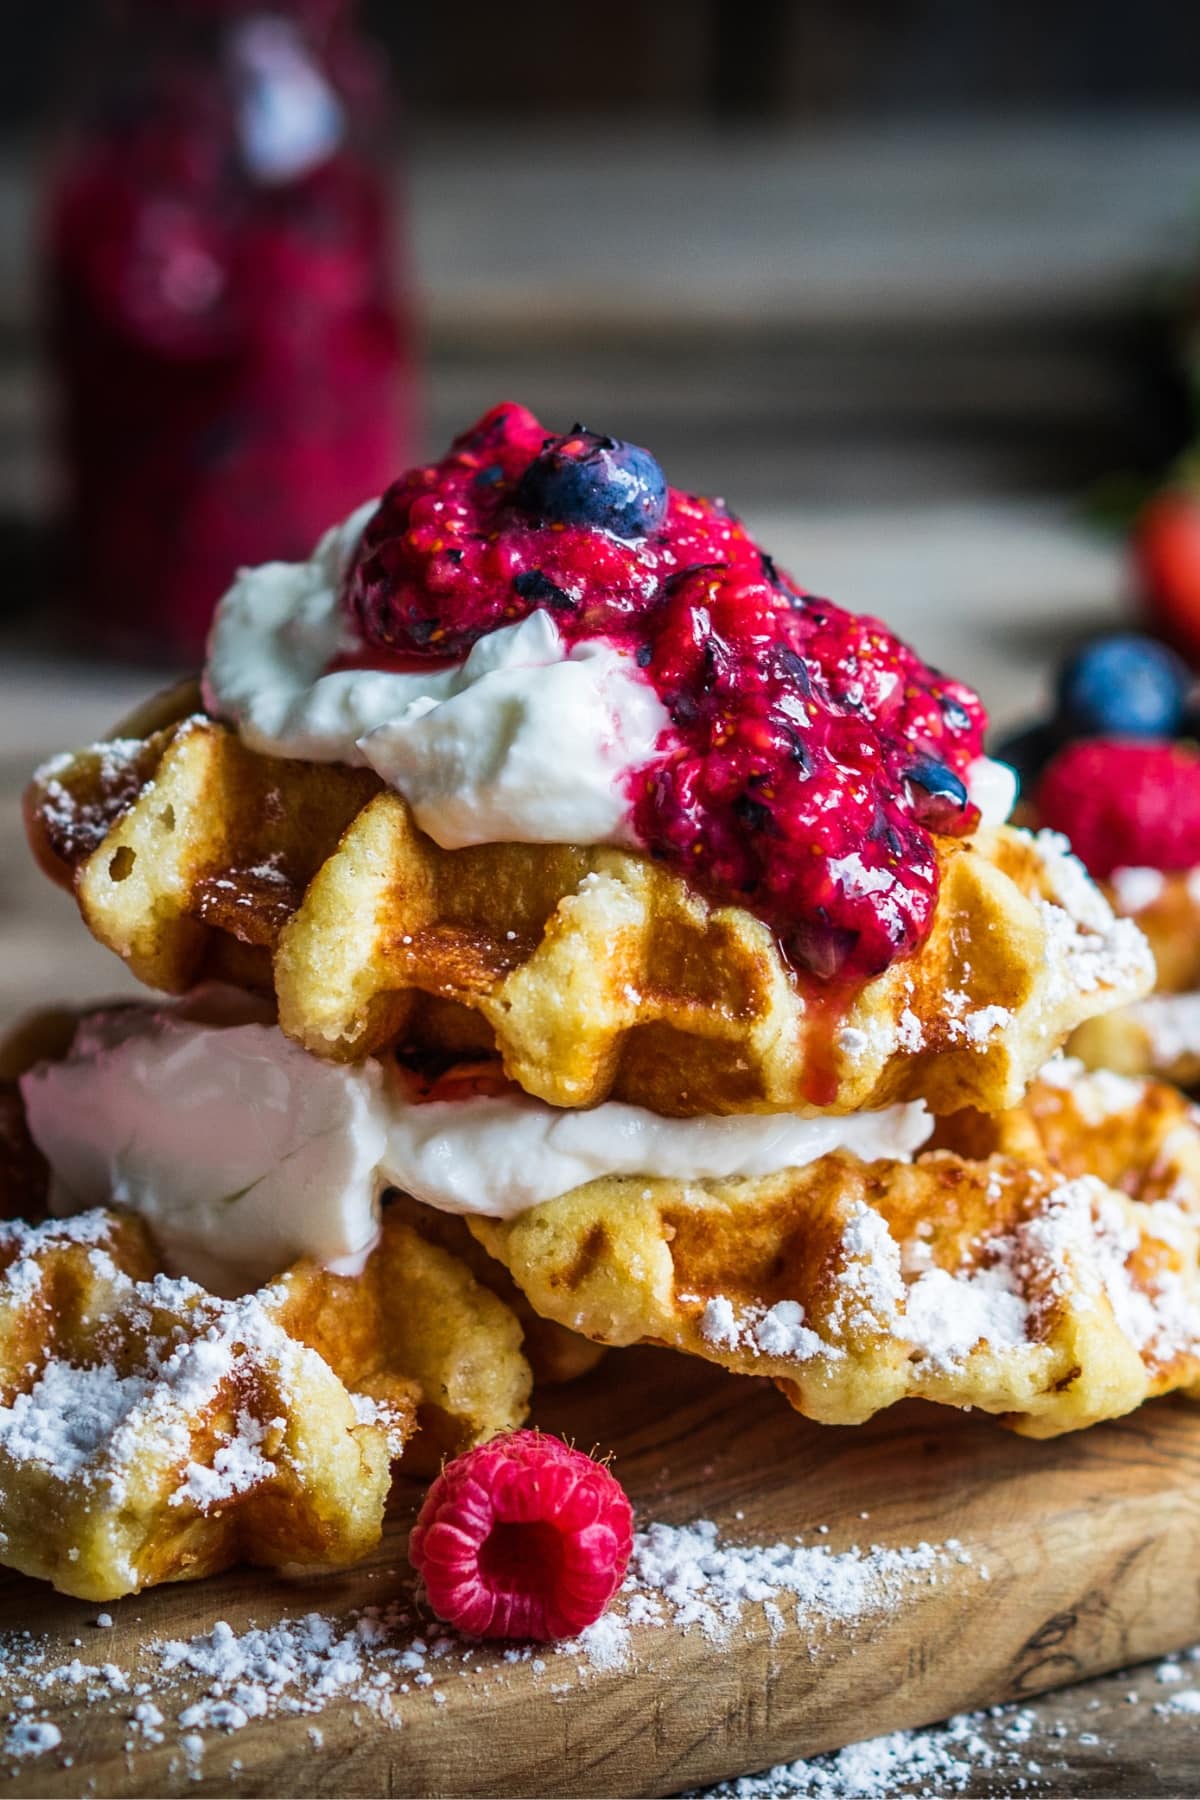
243 1152
525 741
240 1150
992 786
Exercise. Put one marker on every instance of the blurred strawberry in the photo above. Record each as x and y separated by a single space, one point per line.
1166 557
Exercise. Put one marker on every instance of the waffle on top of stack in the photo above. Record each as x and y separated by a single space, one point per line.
597 973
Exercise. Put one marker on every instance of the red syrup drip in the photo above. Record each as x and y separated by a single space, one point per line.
795 780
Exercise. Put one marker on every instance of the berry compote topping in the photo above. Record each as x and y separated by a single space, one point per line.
811 753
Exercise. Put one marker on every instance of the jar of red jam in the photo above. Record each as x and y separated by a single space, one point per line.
230 338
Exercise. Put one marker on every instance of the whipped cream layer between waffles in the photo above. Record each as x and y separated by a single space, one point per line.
151 1431
596 973
241 1151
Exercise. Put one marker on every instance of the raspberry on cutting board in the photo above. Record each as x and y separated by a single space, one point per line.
522 1537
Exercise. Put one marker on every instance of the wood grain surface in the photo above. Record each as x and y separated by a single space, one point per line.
1090 1545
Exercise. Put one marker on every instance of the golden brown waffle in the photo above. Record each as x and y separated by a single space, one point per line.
1167 910
1159 1035
1140 1136
151 1432
554 1353
993 1281
596 973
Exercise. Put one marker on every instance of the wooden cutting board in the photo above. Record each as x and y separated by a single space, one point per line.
1091 1545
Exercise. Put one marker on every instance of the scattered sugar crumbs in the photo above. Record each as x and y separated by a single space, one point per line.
187 1699
187 1695
1004 1752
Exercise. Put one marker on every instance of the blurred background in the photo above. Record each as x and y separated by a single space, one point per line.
909 282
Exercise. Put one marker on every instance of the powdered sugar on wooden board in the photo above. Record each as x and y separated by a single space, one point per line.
190 1698
689 1579
1003 1751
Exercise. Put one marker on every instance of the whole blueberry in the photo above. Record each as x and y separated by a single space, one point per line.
586 479
1126 685
940 794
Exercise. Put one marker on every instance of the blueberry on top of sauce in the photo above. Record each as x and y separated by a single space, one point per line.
587 479
810 756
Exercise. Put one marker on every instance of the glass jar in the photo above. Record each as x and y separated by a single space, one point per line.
230 328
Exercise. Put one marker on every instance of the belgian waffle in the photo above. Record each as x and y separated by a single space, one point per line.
151 1432
1159 1035
595 972
1137 1135
1030 1285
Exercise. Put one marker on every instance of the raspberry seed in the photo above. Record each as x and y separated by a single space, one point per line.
522 1537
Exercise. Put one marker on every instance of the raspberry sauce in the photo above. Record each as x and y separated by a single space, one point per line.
811 755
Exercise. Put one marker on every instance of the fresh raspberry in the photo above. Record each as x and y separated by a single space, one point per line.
1125 804
522 1537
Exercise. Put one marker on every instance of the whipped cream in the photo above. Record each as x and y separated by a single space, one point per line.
992 786
526 741
243 1152
502 1155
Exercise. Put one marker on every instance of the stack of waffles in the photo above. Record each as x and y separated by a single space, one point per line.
882 1188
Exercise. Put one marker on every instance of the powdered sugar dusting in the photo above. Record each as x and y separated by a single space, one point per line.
94 1426
946 1316
184 1701
1172 1026
30 1737
688 1577
237 1466
77 825
1003 1752
910 1033
1135 889
1088 949
67 1416
1078 1245
169 1388
986 1023
188 1693
1099 1094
